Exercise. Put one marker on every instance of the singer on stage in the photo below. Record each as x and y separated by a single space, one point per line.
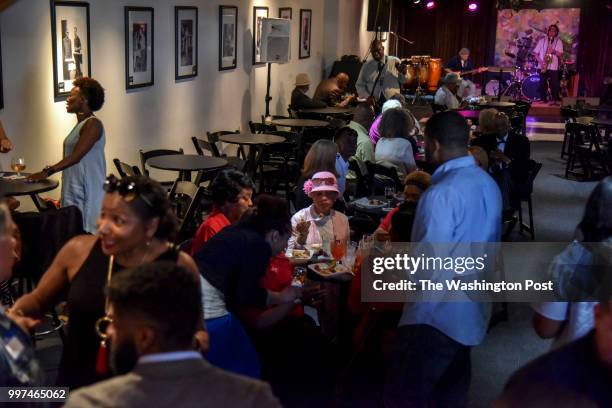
382 76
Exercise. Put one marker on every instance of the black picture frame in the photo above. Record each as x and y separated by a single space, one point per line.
185 60
305 33
72 65
257 33
285 10
228 58
1 80
135 77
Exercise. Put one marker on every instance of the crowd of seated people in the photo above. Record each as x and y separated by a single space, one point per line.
215 328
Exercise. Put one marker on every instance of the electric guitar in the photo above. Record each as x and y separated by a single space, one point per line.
470 72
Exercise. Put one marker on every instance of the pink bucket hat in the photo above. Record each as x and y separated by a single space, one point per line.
321 181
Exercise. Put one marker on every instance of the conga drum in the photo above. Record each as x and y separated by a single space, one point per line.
417 70
435 72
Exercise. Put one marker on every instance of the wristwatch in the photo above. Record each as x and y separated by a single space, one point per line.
48 170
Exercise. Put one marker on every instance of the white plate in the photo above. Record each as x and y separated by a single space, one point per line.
365 203
308 254
340 270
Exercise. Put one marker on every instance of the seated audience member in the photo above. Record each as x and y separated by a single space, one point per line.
134 226
232 264
299 99
480 156
567 321
332 91
577 374
374 132
396 146
231 193
6 146
346 140
319 223
18 365
415 184
320 157
362 121
447 94
156 310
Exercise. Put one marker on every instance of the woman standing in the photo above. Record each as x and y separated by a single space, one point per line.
83 165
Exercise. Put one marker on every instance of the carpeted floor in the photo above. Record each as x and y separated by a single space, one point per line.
558 205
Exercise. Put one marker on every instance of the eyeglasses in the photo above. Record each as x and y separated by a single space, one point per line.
323 182
127 190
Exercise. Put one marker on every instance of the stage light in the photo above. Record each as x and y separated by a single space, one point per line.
430 4
416 1
472 5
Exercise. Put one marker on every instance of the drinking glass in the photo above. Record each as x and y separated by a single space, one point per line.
389 194
338 249
18 165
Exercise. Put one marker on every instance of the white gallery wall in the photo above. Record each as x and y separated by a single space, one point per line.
169 113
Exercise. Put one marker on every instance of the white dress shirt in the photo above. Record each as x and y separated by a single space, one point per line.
542 46
388 84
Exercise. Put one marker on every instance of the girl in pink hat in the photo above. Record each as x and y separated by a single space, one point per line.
319 224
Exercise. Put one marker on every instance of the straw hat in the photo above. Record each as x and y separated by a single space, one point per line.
302 80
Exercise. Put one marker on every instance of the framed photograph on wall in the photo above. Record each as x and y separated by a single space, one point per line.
1 82
228 37
285 12
259 13
71 50
305 25
139 47
185 42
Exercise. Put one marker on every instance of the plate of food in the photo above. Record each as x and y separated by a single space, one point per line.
299 255
331 269
366 202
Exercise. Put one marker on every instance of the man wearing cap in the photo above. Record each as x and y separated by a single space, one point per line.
382 76
332 91
299 99
447 94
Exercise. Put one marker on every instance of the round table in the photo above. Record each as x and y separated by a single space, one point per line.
331 110
186 162
300 123
254 140
22 187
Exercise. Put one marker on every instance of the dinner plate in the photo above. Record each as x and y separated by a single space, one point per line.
299 254
339 271
366 203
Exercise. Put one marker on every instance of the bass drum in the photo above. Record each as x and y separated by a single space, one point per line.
530 87
435 72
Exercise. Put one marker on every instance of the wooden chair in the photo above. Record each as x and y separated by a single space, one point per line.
525 196
185 197
125 169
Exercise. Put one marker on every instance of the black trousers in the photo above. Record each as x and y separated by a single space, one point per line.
427 368
551 77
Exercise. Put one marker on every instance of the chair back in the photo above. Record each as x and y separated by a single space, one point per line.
125 170
260 127
569 114
383 176
185 197
149 154
364 181
436 108
202 146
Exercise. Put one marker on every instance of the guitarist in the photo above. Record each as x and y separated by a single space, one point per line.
548 52
462 65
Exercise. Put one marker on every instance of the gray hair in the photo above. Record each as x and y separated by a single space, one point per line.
464 51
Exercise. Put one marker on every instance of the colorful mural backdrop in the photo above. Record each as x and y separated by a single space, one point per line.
519 32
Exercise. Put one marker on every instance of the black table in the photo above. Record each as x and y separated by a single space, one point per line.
186 162
376 213
254 141
300 123
502 106
22 188
329 111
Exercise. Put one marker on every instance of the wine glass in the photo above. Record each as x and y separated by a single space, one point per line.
338 249
389 194
18 165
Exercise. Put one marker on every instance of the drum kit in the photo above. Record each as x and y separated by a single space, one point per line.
423 72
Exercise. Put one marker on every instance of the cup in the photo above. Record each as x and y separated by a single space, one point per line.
299 277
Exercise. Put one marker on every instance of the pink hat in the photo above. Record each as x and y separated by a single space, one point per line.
321 181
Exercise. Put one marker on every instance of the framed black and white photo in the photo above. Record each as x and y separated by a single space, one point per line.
259 13
139 47
285 12
228 37
305 25
185 42
71 50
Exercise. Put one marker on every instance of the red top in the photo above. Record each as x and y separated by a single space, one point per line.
386 222
214 223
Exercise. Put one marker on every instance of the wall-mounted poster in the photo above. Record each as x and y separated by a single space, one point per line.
285 12
228 36
139 47
259 13
71 51
185 42
305 25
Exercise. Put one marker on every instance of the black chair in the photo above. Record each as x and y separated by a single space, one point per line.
436 108
282 158
525 192
364 181
587 159
186 198
261 127
213 137
125 169
149 154
383 176
521 108
204 146
569 115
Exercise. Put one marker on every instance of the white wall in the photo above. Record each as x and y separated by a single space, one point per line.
169 113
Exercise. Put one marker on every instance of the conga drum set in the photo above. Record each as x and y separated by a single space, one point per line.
423 72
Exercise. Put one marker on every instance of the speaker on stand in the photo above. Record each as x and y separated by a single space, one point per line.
275 47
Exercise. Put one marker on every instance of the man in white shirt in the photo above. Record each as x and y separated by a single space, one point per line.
447 94
155 310
548 52
382 76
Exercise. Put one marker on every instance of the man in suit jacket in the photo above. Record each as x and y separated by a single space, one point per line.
155 309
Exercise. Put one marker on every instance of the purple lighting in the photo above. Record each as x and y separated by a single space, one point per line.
472 6
430 5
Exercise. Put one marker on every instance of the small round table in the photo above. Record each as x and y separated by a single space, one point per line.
186 162
254 141
331 111
22 187
300 123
